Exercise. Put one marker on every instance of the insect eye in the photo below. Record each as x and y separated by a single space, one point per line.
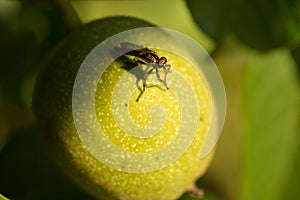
162 60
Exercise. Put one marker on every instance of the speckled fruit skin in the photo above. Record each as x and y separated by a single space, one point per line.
52 104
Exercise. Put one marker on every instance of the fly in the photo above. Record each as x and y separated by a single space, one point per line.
145 56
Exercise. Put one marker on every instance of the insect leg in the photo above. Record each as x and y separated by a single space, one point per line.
138 98
144 83
167 69
137 85
158 77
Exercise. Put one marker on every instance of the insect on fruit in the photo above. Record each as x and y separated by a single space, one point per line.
147 57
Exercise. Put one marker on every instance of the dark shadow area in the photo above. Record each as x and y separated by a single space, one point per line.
27 172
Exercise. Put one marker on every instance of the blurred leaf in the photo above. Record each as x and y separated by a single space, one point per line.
9 9
25 40
271 110
214 17
293 184
3 197
27 173
256 152
68 14
294 180
266 24
168 14
296 56
12 118
224 174
207 196
259 24
18 54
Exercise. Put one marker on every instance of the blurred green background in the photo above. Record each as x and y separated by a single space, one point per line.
256 46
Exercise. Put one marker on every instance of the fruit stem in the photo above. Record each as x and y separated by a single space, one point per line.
196 192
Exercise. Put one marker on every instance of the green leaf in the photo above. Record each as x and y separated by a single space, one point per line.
267 24
3 197
271 110
213 16
259 24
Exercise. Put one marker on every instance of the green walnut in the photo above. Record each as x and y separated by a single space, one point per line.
52 104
